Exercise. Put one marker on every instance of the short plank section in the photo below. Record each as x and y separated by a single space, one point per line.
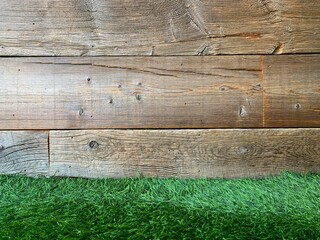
183 153
131 92
153 27
292 91
24 152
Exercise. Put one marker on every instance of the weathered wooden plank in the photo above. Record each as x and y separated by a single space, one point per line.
292 91
152 27
183 153
131 92
24 152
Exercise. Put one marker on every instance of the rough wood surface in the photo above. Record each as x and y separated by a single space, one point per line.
158 27
24 152
183 153
292 91
131 92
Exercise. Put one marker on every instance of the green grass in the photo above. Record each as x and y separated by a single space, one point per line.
284 207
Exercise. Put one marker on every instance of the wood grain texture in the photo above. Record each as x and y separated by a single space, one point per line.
158 27
24 152
131 92
292 91
183 153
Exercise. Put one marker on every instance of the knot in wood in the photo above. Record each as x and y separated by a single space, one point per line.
93 144
81 112
138 97
244 150
243 112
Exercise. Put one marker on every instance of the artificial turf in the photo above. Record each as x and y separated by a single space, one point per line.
283 207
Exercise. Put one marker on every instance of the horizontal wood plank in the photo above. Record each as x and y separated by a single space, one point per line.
292 91
170 92
24 152
152 27
183 153
131 92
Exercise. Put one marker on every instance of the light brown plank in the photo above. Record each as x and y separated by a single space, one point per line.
183 153
131 92
24 152
152 27
292 91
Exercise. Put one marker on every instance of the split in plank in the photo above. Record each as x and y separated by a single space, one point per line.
152 27
183 153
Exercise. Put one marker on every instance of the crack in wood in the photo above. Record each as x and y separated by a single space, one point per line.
172 29
203 50
194 72
154 68
106 66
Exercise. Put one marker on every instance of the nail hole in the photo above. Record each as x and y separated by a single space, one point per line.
119 86
81 112
88 79
138 97
110 100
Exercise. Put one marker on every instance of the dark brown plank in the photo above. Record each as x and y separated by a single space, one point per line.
292 91
24 152
132 92
183 153
152 27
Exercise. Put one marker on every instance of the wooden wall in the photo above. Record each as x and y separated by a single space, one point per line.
170 88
